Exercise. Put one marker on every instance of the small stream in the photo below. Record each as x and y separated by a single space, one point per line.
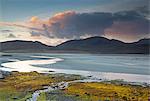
57 86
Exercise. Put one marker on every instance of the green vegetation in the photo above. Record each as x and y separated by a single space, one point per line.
59 95
110 92
20 85
42 97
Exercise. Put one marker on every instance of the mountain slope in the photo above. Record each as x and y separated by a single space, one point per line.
23 46
89 45
103 45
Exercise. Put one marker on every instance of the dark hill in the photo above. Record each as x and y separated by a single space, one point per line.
23 46
89 45
104 45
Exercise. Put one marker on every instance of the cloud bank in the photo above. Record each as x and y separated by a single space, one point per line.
125 25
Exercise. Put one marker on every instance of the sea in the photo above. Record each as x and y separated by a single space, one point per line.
128 67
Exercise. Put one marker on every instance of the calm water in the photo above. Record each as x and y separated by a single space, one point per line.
134 64
122 64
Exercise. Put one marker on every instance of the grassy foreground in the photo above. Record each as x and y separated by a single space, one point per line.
20 86
108 92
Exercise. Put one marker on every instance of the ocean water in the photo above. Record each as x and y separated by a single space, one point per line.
131 67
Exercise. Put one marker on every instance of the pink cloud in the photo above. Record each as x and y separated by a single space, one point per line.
127 31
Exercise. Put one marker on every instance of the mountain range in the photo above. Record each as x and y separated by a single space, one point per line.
98 45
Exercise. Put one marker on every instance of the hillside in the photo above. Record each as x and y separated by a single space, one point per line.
88 45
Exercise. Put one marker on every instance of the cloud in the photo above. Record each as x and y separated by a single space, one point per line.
143 10
125 25
20 24
35 33
127 31
73 25
34 19
128 26
11 36
5 31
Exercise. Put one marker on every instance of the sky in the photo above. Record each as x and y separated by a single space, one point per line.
55 21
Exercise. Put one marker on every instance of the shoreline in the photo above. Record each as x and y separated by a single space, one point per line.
138 78
87 78
32 65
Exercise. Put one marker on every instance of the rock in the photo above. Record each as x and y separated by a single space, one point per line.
89 76
51 71
1 75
